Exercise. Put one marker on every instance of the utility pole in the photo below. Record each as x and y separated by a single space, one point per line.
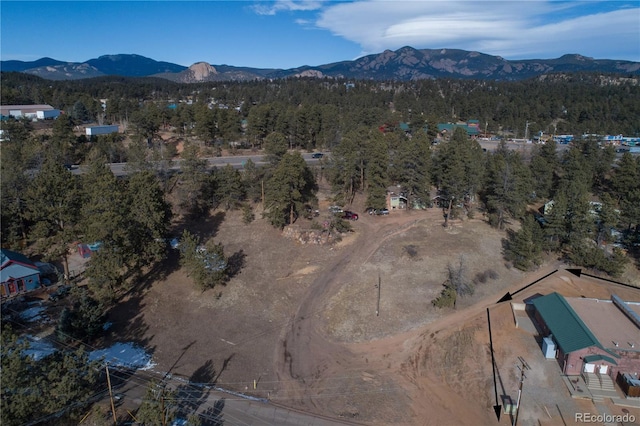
113 407
524 366
378 305
164 417
447 213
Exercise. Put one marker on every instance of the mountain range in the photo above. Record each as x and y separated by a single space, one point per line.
404 64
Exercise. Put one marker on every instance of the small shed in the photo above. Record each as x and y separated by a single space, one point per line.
549 347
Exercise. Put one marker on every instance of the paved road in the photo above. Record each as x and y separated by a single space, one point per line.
213 405
237 162
516 146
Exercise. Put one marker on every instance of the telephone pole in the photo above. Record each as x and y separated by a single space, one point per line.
524 366
113 407
378 305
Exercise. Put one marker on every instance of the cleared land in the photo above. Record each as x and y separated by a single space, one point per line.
301 321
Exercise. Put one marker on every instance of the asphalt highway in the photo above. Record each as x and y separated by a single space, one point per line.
237 162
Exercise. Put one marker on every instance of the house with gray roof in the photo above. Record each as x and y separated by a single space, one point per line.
17 274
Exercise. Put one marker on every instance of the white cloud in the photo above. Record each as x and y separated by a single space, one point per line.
287 5
512 29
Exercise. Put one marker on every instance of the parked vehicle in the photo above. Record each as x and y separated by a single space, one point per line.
311 213
317 155
350 215
60 292
335 209
378 212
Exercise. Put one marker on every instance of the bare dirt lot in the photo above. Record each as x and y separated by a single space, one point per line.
300 321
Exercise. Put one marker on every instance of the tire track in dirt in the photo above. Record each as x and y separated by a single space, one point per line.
305 355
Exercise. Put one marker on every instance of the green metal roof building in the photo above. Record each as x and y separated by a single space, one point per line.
451 127
578 347
569 331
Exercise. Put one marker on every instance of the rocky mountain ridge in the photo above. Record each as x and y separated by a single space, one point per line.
404 64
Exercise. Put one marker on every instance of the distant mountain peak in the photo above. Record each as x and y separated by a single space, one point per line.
405 63
201 71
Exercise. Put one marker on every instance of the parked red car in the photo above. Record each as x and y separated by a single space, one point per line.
350 215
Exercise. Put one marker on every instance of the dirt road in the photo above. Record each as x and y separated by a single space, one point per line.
309 362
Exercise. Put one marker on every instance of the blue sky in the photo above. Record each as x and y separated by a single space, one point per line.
288 33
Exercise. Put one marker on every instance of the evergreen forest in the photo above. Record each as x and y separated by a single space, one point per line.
580 204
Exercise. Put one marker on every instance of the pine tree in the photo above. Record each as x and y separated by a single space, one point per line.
508 186
63 141
206 265
626 185
194 187
345 168
84 320
158 406
150 217
377 175
524 248
19 155
60 383
608 218
105 221
555 229
252 179
544 165
229 187
458 168
288 192
275 146
412 168
53 204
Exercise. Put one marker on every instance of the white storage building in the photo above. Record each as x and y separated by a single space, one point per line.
101 130
28 111
48 114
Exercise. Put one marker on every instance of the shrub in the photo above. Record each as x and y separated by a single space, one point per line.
247 214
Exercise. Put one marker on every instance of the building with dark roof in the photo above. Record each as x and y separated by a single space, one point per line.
591 335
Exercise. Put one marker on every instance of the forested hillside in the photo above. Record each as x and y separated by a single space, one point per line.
313 111
592 217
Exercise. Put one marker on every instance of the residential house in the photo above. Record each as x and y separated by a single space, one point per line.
17 274
396 199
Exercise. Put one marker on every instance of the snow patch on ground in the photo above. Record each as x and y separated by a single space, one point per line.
32 314
39 348
126 355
